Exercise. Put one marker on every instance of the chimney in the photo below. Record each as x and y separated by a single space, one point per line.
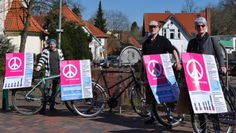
208 18
167 12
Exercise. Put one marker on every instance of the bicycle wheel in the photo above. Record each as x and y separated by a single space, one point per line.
205 123
138 100
91 107
27 101
166 114
129 55
69 106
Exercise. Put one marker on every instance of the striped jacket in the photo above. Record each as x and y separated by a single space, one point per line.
45 60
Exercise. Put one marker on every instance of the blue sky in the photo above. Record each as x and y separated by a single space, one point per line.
134 9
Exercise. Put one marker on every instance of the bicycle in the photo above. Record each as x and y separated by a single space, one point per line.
93 106
221 122
165 112
31 100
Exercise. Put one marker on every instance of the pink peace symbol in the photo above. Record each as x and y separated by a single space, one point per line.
70 71
14 63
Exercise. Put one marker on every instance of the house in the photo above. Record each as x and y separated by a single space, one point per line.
228 41
99 38
118 40
13 24
179 28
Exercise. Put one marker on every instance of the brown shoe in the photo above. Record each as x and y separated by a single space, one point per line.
52 109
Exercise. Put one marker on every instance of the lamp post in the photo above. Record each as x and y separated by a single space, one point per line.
59 30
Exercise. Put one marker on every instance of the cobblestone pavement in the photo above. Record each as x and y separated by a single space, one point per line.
64 121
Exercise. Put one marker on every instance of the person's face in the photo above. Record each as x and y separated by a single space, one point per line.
153 29
201 29
52 46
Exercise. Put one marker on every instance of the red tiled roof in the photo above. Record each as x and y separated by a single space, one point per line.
69 15
133 41
15 19
159 17
40 19
95 31
185 19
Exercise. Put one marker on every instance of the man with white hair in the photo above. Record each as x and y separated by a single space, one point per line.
156 44
204 44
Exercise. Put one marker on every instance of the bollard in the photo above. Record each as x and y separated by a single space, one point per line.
5 100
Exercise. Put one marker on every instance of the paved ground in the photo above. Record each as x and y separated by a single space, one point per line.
64 121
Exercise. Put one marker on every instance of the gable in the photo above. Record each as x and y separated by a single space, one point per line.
94 30
69 15
16 18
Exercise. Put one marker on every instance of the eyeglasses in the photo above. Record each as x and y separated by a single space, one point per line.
152 26
198 26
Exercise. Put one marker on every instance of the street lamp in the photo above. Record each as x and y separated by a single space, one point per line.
59 30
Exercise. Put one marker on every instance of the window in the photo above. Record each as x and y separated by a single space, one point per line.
179 34
172 33
164 32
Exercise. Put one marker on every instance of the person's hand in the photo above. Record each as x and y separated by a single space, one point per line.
224 70
37 68
178 66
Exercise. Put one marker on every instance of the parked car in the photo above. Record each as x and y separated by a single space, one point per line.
113 60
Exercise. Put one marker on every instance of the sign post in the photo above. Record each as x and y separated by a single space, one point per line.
5 100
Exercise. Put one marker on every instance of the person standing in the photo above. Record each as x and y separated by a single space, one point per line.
204 44
50 59
156 44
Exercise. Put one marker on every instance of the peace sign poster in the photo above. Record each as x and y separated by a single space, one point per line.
161 77
19 70
203 83
75 79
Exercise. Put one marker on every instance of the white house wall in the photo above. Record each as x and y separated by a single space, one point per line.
96 46
32 43
179 41
2 16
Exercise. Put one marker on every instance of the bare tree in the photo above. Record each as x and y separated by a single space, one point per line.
33 6
117 21
189 6
223 18
24 33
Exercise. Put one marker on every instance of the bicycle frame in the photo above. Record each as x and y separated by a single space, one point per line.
104 80
42 81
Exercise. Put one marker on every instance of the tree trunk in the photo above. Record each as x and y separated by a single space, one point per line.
24 33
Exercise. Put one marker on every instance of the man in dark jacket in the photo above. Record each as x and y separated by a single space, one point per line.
204 44
156 44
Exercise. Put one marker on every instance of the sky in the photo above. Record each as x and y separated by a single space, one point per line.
135 9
